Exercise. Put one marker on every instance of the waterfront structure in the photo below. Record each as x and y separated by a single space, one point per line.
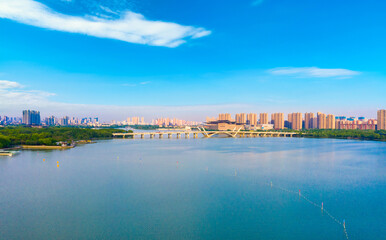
252 119
278 120
330 121
381 119
31 117
263 118
264 127
309 120
321 118
224 125
295 121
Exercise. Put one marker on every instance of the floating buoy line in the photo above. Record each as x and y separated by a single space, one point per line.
320 206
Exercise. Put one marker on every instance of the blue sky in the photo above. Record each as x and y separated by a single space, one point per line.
122 58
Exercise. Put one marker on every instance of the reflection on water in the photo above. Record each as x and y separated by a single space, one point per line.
196 189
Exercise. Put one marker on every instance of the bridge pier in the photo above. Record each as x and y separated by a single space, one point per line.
187 135
142 136
161 135
178 135
151 136
195 135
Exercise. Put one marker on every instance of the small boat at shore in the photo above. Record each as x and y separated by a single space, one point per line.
7 153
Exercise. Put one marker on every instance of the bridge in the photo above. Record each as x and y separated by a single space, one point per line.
207 134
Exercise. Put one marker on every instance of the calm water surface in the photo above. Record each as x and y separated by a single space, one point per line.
196 189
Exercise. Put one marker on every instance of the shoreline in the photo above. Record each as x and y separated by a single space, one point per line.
44 147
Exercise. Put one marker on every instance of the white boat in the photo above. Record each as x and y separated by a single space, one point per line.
7 153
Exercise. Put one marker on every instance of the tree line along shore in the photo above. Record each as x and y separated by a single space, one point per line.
51 136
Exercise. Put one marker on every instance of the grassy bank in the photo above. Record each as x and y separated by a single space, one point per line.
377 135
21 135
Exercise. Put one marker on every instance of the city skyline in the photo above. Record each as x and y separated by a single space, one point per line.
281 56
248 121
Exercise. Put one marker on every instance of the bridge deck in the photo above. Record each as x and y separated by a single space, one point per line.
208 134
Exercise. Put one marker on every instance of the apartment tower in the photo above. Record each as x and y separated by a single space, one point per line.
278 120
381 119
321 120
252 119
263 118
295 120
330 123
308 120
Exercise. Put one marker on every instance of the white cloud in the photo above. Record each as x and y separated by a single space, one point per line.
135 84
131 27
314 72
12 94
4 84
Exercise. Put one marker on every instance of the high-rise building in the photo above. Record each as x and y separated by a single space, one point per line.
330 123
295 121
64 121
224 116
321 120
241 118
263 118
381 119
308 120
50 121
252 119
210 119
278 120
31 117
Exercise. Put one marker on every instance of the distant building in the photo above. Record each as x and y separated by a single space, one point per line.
309 120
321 120
50 121
330 121
277 120
264 127
224 116
210 119
295 121
240 118
31 117
252 119
263 118
381 119
224 125
356 124
64 121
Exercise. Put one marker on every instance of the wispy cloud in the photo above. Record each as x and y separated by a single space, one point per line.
130 27
13 93
4 84
314 72
135 84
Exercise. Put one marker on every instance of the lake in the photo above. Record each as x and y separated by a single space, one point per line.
221 188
